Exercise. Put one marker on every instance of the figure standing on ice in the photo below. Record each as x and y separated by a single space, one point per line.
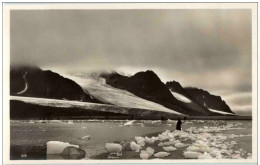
178 125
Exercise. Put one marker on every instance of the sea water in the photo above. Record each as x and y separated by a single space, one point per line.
100 132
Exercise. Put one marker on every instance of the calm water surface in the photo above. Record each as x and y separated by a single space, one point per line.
102 132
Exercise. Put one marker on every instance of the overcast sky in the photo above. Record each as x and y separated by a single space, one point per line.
209 49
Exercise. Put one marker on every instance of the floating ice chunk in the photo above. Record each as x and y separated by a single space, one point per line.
223 146
141 143
148 140
228 152
70 122
57 147
163 137
185 139
193 148
150 150
161 154
200 144
216 153
205 156
129 123
236 156
205 149
155 138
170 135
144 154
142 125
156 121
177 141
113 147
168 143
179 145
85 137
184 136
191 154
170 148
161 144
139 138
135 147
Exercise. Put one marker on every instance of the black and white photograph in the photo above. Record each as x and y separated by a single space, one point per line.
144 82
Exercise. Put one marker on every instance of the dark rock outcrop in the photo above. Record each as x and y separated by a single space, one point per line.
32 81
208 100
176 87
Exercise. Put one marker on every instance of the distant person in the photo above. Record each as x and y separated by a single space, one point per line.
178 126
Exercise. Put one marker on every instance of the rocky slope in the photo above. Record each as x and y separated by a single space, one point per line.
34 82
208 100
185 99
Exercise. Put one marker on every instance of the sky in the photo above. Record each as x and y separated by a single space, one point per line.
209 49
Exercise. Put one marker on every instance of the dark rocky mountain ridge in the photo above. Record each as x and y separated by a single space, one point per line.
148 85
32 81
208 100
175 86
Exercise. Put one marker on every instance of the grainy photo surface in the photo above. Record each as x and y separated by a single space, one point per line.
130 84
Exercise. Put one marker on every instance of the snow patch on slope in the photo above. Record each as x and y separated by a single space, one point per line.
220 112
26 85
181 97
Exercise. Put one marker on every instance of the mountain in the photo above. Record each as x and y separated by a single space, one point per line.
144 90
32 81
212 102
98 88
185 99
148 85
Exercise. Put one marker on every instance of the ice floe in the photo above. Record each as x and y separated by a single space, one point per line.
192 154
135 147
170 148
87 137
145 154
129 123
114 149
161 154
57 147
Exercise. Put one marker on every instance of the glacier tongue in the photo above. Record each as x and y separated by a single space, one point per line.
97 87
